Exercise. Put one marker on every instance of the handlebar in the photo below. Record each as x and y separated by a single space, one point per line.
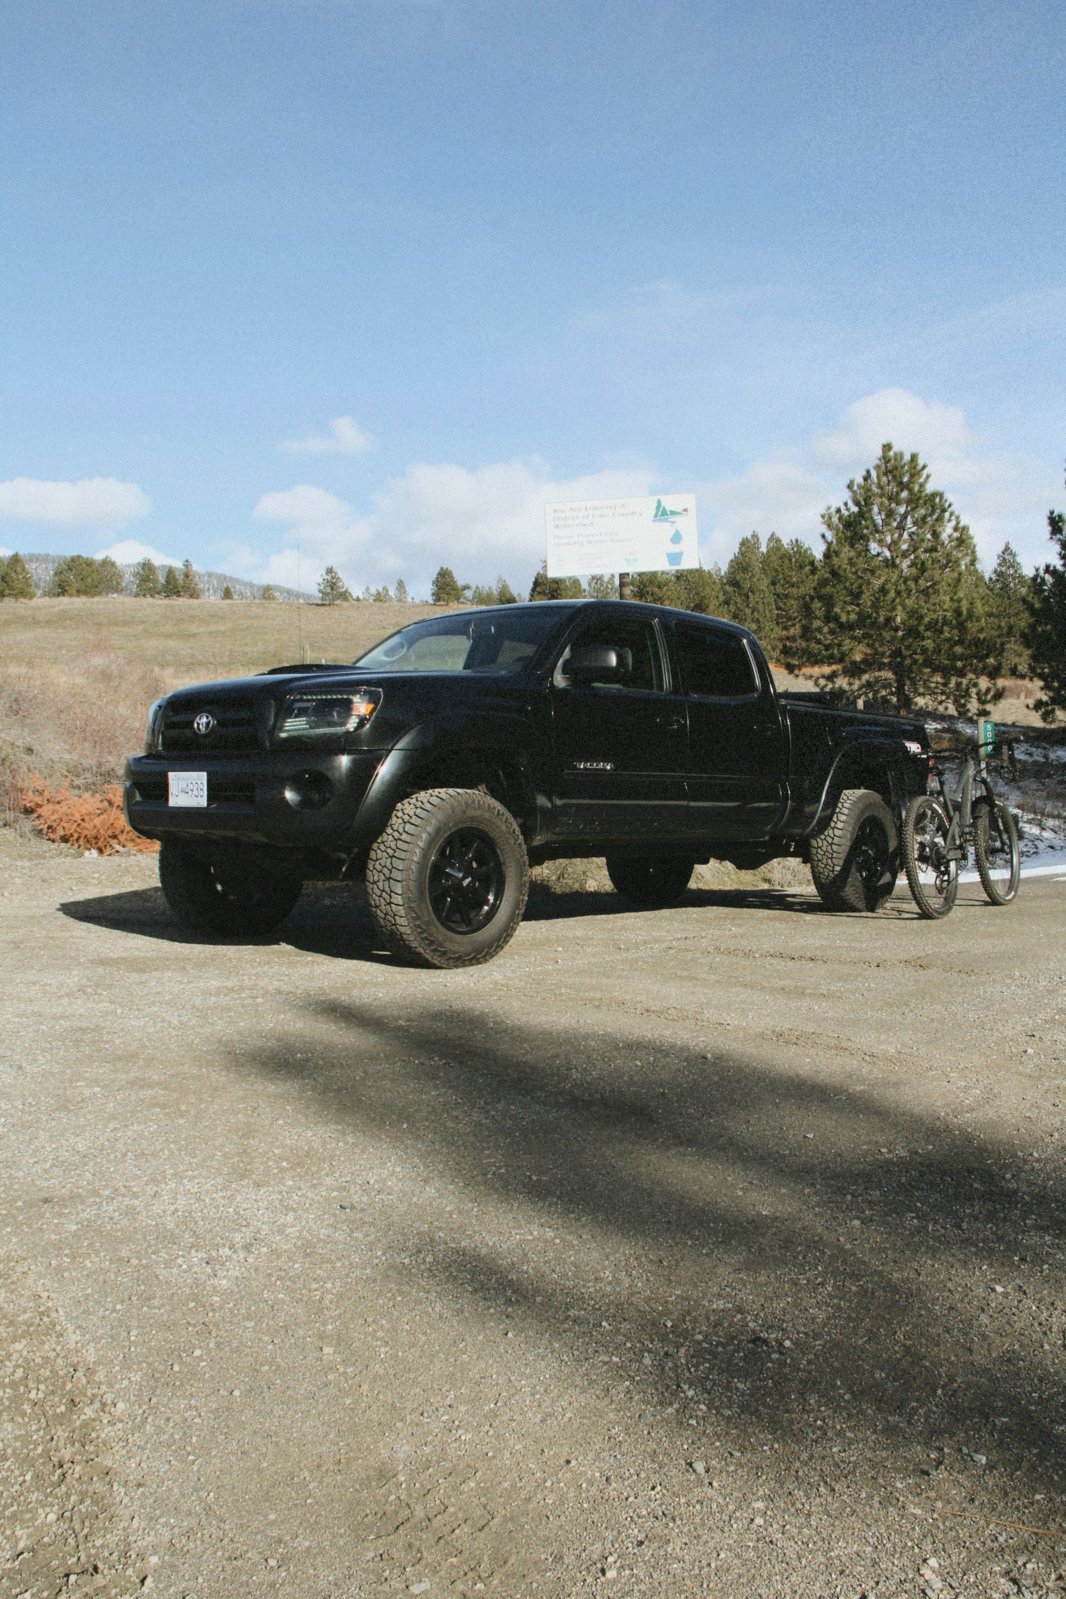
1001 754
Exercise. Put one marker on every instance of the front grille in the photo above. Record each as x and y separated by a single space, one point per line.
233 729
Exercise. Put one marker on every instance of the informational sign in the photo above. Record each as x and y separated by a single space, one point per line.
650 534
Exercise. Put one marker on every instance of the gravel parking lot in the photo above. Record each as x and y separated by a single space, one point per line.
709 1251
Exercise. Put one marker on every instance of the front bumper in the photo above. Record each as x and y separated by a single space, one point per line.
298 804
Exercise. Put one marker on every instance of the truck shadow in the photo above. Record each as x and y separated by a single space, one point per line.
333 920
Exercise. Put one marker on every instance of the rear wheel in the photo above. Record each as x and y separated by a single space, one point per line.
933 879
998 853
650 880
854 863
447 879
226 891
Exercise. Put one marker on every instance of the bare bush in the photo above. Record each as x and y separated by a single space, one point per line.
84 821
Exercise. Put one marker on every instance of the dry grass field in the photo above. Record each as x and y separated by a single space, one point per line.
194 640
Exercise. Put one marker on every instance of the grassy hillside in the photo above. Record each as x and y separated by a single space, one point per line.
192 640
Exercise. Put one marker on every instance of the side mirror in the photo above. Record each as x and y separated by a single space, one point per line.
592 663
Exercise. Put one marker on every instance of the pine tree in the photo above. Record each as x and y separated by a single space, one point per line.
227 592
1047 631
654 588
77 576
399 593
792 572
171 587
447 590
269 594
699 588
190 583
747 595
146 584
1010 595
332 589
504 594
15 580
902 599
111 578
555 588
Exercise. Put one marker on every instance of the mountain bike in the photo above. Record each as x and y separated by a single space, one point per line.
940 828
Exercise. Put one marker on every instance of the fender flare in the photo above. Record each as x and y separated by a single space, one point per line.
873 763
415 763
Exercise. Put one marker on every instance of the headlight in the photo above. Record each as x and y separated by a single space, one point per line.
321 714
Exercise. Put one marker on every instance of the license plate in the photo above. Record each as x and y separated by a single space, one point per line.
188 789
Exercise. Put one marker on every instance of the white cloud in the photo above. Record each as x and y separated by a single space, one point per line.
489 520
127 552
345 437
89 502
938 433
482 522
780 495
999 497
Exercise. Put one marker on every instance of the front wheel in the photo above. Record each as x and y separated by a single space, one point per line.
228 891
933 878
650 880
447 879
854 862
999 864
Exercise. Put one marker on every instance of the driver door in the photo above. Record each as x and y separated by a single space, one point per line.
619 738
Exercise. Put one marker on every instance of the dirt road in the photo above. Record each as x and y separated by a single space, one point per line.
713 1251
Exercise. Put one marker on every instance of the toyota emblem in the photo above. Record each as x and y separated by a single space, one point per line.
203 723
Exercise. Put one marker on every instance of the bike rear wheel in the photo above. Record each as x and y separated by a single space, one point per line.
998 853
933 879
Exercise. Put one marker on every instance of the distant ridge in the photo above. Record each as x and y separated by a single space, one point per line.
41 568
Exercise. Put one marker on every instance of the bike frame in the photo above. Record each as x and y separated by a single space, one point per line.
959 803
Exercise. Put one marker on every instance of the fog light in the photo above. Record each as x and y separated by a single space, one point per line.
308 791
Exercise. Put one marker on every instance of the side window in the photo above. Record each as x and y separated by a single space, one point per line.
636 642
714 664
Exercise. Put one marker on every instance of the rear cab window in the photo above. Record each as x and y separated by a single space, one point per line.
713 664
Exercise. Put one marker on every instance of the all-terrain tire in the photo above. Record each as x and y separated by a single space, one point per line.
855 861
226 892
649 880
447 879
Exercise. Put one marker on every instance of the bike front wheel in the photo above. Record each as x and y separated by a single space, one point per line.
998 853
933 879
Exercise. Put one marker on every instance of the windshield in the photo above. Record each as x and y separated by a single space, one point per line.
496 641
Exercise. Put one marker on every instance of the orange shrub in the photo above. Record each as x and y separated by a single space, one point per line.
84 821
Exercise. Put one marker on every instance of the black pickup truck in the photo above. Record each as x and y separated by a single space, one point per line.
442 763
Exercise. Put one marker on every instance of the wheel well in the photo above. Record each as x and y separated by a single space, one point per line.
877 779
505 781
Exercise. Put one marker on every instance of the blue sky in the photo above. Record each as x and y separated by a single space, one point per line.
367 282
